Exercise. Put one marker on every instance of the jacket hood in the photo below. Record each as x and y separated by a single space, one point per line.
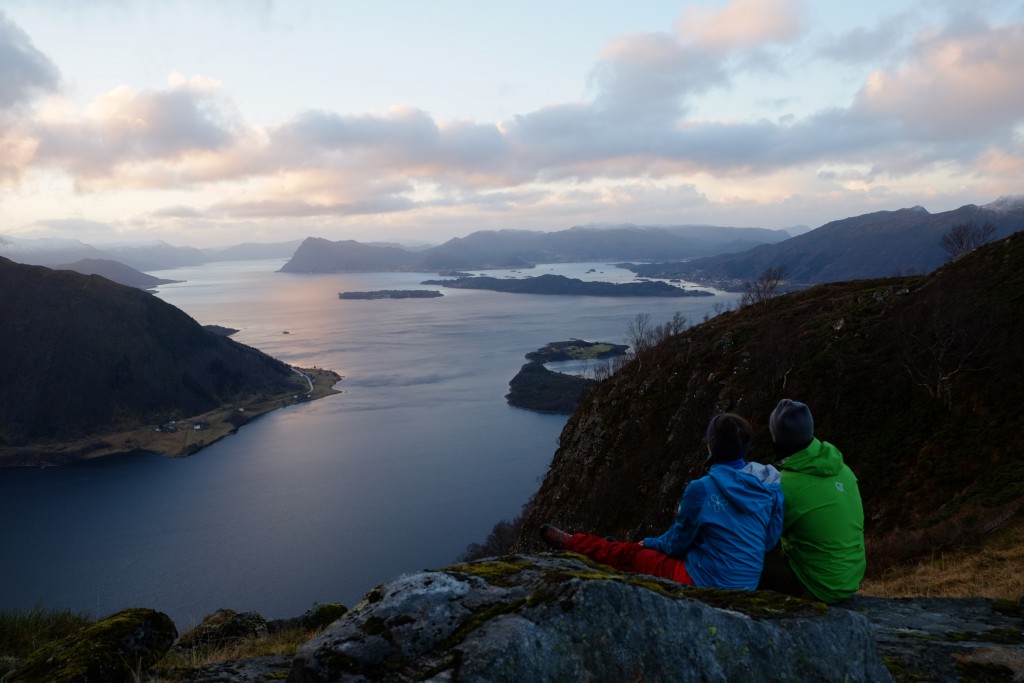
819 459
750 487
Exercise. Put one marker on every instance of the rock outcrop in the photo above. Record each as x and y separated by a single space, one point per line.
947 639
113 649
531 618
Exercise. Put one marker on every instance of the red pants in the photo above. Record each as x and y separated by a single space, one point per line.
630 557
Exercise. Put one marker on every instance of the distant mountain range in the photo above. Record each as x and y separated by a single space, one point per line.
877 244
83 355
156 255
871 245
523 248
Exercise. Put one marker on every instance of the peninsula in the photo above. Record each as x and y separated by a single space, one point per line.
176 436
559 284
392 294
95 368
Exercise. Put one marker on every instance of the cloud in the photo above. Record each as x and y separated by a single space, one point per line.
642 141
648 76
123 126
25 72
300 207
742 24
963 82
864 45
177 212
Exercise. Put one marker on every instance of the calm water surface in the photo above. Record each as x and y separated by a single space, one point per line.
419 456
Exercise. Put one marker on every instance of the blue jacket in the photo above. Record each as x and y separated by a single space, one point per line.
727 520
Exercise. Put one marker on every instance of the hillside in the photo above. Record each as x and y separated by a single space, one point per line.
115 272
83 355
523 248
916 379
879 244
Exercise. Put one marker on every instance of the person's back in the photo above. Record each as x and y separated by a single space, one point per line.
823 532
725 523
738 518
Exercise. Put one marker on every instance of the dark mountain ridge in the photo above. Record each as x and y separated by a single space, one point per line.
917 380
83 355
878 244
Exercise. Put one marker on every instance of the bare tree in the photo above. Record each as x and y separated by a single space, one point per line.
640 333
499 542
944 345
965 237
677 325
764 288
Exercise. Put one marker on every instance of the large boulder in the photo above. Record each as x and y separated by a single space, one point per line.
114 649
531 618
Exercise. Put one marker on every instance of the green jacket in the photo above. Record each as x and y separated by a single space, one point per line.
823 529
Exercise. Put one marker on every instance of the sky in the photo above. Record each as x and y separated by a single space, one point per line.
215 122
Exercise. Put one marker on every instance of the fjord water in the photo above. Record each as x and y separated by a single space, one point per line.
318 502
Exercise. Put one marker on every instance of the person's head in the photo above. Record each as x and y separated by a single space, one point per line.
791 426
728 438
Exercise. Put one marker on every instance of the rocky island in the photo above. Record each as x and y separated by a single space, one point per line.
559 284
392 294
536 388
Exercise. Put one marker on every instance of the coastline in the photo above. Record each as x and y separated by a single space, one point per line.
180 442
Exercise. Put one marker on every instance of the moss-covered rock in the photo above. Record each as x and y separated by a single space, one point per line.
221 628
527 618
114 649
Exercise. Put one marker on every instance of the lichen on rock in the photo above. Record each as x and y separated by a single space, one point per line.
560 618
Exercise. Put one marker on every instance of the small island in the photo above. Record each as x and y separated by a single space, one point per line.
541 390
392 294
559 284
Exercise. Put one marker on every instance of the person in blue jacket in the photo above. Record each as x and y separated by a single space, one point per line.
727 520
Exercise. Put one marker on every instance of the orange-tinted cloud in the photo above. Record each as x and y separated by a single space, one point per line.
962 83
742 24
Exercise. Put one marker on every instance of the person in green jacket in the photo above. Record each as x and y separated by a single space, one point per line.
821 553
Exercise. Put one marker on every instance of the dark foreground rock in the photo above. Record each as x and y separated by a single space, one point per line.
561 618
947 639
113 649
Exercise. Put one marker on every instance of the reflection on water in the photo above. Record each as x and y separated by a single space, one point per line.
418 456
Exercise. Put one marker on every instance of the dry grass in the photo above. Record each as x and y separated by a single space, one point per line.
992 570
284 642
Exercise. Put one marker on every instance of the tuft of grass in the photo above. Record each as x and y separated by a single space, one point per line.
24 632
284 643
991 570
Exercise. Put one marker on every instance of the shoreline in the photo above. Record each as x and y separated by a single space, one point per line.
179 443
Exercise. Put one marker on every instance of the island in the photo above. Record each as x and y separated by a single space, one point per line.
559 284
544 391
392 294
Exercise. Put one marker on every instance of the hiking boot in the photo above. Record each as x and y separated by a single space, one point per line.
554 537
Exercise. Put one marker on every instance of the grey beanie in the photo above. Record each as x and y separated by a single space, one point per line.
791 423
